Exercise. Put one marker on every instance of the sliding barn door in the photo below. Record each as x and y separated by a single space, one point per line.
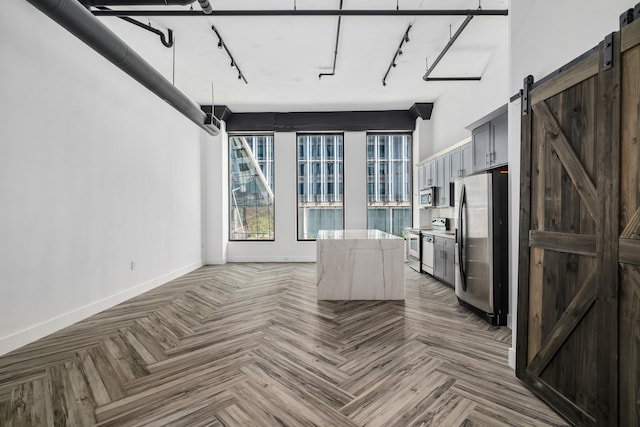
567 342
629 249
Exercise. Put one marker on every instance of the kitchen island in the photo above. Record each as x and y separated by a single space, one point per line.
359 265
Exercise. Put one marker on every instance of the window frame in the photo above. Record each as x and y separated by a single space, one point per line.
312 157
376 165
229 171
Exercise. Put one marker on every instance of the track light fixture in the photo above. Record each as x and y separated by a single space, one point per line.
405 38
233 63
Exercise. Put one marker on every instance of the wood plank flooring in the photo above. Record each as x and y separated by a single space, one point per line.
249 345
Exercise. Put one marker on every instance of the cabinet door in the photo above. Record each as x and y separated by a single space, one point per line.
500 141
429 174
421 179
481 141
441 170
466 154
438 259
455 164
449 276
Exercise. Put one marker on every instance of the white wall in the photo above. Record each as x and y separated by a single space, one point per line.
95 172
545 35
469 102
215 176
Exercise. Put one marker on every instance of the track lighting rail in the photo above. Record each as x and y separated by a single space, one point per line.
223 45
405 38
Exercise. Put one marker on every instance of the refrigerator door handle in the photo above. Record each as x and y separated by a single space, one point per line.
463 279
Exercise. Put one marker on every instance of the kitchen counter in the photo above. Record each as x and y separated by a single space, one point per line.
359 265
446 234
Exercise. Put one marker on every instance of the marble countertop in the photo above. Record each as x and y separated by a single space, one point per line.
449 234
355 235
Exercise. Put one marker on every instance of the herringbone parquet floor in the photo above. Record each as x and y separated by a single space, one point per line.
249 345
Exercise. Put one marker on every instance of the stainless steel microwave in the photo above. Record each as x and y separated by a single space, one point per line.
428 197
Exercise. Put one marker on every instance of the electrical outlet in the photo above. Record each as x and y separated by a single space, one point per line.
133 265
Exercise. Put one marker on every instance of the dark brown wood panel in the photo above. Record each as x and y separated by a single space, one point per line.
629 247
581 279
608 182
568 158
580 244
570 77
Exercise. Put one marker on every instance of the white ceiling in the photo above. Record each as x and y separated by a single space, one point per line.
282 56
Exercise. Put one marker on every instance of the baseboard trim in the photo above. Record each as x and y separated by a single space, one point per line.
216 261
311 258
512 358
40 330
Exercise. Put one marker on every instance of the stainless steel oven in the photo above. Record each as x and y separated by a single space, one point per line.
415 248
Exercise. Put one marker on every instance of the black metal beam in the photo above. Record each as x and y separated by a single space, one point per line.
452 79
335 52
286 12
394 120
452 40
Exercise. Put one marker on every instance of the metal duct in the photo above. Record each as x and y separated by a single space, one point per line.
205 6
80 22
136 2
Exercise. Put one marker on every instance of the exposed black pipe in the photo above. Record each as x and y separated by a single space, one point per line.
96 3
71 15
287 12
166 41
453 79
405 38
448 46
335 52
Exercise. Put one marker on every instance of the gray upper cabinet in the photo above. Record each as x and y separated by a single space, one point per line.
460 162
500 130
430 173
455 164
490 144
442 180
481 146
466 154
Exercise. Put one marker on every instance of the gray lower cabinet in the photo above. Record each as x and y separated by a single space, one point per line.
443 250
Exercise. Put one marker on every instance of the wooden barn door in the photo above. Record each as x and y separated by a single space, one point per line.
567 342
629 243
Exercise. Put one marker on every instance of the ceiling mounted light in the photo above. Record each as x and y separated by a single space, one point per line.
405 38
233 64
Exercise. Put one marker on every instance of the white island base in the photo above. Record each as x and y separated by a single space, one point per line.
359 265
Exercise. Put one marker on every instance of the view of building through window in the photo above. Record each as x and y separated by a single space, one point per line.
389 182
251 198
320 184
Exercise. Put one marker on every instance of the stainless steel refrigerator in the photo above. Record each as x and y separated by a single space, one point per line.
481 253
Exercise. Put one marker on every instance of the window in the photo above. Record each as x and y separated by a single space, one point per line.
320 189
389 182
251 197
